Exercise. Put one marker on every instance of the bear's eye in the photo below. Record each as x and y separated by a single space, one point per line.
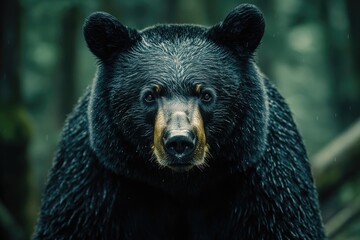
149 97
206 97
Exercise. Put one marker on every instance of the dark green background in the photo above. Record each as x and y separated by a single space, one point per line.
310 50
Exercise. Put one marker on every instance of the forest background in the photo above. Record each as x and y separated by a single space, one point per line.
310 50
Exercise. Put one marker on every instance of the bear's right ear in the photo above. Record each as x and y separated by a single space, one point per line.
104 35
242 28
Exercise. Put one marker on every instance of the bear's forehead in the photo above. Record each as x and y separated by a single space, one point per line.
182 52
173 31
172 53
184 60
188 42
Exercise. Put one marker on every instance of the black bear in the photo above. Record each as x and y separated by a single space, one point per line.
180 137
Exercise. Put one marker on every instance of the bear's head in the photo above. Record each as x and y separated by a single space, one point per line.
177 97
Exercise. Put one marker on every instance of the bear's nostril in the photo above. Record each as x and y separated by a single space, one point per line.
179 145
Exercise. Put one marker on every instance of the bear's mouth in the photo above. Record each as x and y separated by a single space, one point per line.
183 167
181 164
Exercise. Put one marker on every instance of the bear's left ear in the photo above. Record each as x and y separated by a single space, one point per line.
104 35
242 28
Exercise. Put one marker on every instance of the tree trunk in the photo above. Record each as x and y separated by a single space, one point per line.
344 89
14 129
66 89
353 7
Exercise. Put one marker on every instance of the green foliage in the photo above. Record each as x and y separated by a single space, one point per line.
15 124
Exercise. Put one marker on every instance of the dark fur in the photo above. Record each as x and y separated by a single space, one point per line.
105 183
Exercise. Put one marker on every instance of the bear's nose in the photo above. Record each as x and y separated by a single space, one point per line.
179 143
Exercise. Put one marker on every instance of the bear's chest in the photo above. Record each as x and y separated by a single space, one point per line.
151 214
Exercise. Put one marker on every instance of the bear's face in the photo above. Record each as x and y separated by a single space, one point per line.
174 93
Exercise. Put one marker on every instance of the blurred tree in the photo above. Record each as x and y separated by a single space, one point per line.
353 7
335 62
66 83
14 130
340 22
